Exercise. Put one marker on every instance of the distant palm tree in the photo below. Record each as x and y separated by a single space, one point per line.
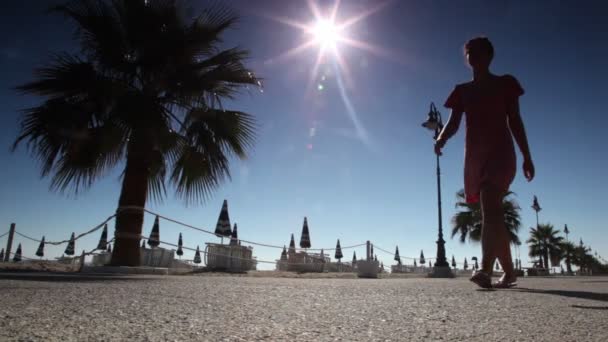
544 242
145 94
467 221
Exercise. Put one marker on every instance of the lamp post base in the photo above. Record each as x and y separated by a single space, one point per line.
441 272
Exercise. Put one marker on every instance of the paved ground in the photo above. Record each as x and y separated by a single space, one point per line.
205 308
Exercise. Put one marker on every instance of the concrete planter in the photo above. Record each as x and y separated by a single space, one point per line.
367 268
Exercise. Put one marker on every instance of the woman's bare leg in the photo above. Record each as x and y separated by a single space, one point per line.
492 224
504 253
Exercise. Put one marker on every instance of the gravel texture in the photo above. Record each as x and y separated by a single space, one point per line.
43 307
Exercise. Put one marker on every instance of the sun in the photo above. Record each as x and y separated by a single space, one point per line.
325 32
330 35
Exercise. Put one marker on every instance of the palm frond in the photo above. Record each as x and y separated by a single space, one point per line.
100 32
232 131
196 174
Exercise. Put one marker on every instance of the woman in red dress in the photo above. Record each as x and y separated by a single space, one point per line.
491 104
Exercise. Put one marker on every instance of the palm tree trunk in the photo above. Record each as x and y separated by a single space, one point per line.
134 193
546 257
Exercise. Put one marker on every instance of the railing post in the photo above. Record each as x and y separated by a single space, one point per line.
9 243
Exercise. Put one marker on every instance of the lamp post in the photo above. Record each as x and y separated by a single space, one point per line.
441 268
536 208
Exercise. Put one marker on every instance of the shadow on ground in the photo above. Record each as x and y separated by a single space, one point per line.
590 307
572 294
70 277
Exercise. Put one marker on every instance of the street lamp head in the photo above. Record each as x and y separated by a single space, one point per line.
535 205
433 121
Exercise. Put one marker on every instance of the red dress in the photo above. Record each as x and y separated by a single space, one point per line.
489 150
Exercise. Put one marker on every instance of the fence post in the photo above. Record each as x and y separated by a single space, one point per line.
9 242
82 261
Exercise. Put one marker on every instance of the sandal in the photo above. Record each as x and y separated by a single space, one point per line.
481 279
505 283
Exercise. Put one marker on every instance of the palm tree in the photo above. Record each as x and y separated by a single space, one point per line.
145 94
467 221
544 242
568 250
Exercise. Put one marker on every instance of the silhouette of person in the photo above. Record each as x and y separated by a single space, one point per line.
491 104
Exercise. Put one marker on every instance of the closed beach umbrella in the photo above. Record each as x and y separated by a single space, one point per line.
322 255
222 228
109 248
338 255
143 244
284 254
40 250
292 245
154 239
197 256
180 243
415 264
17 256
375 258
497 267
371 251
453 262
234 237
69 249
305 237
2 255
466 264
422 260
397 257
354 258
103 240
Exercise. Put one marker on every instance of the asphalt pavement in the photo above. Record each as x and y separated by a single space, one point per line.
67 307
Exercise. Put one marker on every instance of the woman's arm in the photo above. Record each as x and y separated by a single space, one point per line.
449 130
516 125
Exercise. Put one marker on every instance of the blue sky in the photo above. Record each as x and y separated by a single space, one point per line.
368 178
